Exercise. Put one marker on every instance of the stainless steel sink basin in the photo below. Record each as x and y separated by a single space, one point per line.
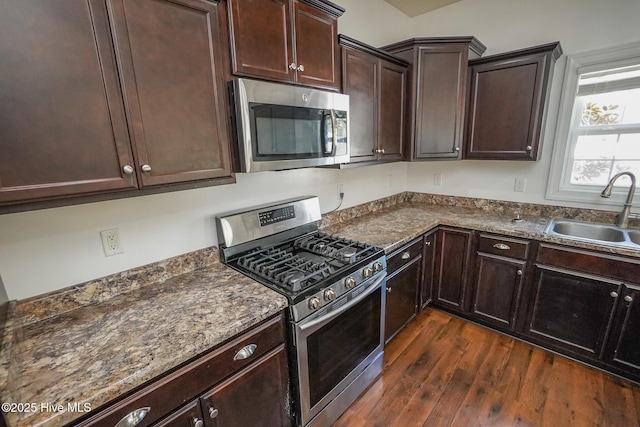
594 233
634 236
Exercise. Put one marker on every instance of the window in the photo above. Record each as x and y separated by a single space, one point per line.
598 132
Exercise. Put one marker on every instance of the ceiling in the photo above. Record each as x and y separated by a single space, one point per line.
413 8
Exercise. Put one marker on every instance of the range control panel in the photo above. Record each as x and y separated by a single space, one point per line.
276 215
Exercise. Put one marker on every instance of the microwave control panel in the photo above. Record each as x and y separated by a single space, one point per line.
276 215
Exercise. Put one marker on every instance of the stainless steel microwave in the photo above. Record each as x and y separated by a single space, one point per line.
286 127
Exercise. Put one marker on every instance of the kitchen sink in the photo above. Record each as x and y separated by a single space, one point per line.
593 232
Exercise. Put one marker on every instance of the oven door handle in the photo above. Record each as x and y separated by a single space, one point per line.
337 312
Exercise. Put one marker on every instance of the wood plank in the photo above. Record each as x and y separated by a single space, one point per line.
443 371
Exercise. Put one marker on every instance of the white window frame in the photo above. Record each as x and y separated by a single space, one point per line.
593 61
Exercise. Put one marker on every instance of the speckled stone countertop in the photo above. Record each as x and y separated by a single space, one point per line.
392 222
94 353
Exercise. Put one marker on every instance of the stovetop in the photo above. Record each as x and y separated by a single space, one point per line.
300 267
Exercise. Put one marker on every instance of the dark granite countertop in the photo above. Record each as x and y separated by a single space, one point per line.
95 353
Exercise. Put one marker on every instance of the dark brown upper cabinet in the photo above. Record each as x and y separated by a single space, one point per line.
376 84
140 103
169 59
437 91
62 123
507 99
286 40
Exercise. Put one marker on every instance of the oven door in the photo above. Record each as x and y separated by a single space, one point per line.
335 347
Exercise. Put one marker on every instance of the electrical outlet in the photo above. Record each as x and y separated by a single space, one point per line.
520 185
111 242
437 179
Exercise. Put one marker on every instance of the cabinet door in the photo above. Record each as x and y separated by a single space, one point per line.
497 289
441 76
316 46
62 124
360 82
187 416
453 252
393 86
257 396
428 267
261 38
505 108
402 298
571 311
169 53
624 346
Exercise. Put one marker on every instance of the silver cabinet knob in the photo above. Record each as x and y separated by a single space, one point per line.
133 418
245 352
213 413
406 255
198 422
300 68
127 169
519 272
614 294
502 246
456 149
293 66
628 298
146 168
389 290
382 151
427 243
528 148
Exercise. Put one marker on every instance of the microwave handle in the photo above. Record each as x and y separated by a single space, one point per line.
334 133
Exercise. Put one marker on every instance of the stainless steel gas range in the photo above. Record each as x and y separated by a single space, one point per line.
336 291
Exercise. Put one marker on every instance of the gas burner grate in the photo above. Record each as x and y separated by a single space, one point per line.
344 250
292 272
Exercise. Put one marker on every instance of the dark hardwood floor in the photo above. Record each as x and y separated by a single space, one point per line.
442 371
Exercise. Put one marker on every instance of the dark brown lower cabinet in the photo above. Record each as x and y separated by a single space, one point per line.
404 268
453 255
255 396
428 264
571 311
497 289
623 349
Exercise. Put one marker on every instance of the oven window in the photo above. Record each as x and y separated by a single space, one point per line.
337 348
283 132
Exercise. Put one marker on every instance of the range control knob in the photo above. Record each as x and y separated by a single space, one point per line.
367 272
377 266
314 303
329 294
349 282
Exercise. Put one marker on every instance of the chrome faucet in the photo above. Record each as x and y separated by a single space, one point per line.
623 217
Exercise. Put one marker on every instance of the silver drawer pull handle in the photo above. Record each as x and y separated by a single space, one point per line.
628 298
213 413
133 418
614 294
406 255
197 422
502 246
245 352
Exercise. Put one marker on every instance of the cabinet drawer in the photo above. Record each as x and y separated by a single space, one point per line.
172 391
503 246
404 255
